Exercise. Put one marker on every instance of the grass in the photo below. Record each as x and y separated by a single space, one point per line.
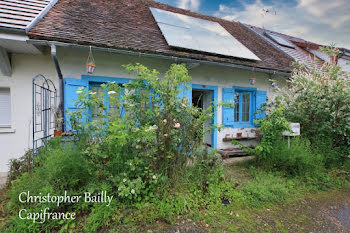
270 203
260 202
304 214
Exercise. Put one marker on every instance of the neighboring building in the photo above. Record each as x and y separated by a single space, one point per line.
344 59
301 50
144 31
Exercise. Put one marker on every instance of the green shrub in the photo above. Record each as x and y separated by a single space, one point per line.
334 156
148 145
267 188
100 216
298 160
19 166
320 102
136 146
346 166
272 128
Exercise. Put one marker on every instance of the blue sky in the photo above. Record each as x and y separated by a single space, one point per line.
321 21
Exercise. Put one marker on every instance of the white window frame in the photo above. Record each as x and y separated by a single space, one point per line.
8 128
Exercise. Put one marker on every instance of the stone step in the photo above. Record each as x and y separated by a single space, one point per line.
232 153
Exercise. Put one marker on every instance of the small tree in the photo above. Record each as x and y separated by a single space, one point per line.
320 101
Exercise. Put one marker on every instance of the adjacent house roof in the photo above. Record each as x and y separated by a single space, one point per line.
303 51
299 53
129 25
19 14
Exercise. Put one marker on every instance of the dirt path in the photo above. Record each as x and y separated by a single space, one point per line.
323 212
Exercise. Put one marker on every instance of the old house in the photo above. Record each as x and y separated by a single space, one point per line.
228 61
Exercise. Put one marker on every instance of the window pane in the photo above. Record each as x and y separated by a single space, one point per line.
114 107
5 107
236 107
95 110
245 106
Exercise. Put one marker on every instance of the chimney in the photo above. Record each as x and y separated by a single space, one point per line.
334 59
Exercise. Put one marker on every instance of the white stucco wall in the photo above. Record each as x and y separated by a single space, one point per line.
15 141
73 65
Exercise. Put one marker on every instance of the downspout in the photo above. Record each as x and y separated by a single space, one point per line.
60 110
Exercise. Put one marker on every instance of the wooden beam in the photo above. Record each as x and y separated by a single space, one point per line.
5 65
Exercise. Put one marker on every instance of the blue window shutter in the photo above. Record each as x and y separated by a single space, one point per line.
186 91
260 100
122 93
227 112
71 85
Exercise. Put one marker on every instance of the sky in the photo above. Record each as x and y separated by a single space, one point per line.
322 21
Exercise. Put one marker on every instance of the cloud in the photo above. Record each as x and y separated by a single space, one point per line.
320 21
189 4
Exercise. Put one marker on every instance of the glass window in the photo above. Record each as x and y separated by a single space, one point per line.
236 108
95 110
113 107
242 107
5 107
245 106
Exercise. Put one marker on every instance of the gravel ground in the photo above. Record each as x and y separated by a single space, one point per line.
342 214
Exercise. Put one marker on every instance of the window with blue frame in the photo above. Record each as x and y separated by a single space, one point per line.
247 102
93 83
111 108
242 109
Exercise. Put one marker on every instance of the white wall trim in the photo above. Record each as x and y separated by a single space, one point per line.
7 130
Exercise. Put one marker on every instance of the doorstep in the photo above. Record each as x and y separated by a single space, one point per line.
234 152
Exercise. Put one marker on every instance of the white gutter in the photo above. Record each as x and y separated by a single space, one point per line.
40 15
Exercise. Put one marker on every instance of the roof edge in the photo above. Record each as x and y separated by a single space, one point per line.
12 30
40 15
160 56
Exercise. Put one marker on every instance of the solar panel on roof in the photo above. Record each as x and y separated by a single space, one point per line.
187 32
279 40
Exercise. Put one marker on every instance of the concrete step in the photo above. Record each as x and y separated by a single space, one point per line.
232 153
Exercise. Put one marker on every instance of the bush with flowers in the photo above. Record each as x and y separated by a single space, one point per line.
319 99
139 142
142 133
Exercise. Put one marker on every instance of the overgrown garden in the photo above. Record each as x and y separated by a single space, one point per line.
142 143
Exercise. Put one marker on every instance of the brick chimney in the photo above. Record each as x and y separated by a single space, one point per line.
334 59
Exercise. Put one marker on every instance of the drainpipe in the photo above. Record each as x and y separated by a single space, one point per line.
60 110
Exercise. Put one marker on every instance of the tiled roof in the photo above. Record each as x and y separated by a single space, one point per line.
18 14
129 25
299 53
